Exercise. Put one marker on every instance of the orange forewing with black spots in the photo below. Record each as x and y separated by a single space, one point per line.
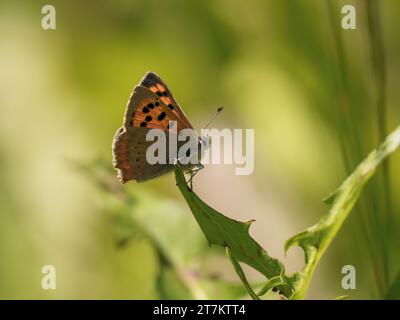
146 109
156 85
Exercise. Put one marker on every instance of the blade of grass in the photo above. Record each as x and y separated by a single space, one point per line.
394 290
379 71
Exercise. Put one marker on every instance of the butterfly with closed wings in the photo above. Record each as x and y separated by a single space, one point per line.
151 106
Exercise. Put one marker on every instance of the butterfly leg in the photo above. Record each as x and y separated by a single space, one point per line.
193 172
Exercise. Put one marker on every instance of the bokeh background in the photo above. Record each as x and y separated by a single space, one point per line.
283 67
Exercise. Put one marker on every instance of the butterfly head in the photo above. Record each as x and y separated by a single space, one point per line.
204 142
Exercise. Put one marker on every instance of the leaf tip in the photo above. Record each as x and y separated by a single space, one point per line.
295 240
288 244
249 223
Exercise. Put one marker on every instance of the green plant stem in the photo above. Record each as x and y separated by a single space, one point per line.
352 153
315 240
240 273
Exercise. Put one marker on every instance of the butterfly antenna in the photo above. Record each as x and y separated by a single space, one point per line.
214 116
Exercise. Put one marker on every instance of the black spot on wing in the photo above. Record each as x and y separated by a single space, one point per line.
161 116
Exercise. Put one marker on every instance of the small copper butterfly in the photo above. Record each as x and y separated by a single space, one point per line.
151 106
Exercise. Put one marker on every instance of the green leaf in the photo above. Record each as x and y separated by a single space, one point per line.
226 232
316 239
394 290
